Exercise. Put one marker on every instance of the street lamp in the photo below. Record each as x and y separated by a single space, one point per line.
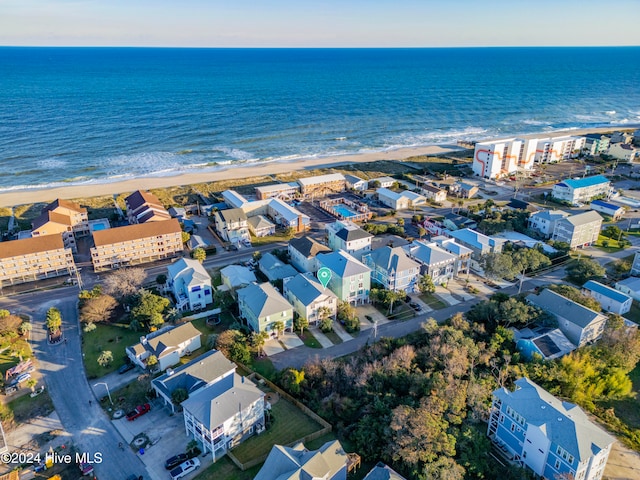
107 387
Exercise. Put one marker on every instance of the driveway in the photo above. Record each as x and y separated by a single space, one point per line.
272 346
290 340
323 340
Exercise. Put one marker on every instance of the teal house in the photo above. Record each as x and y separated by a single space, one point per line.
350 278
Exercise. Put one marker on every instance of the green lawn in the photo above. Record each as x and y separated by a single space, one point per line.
278 237
402 312
290 424
634 313
309 340
433 301
612 245
333 336
227 470
110 338
264 367
10 358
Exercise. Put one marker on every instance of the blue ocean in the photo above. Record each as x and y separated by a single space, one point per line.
79 115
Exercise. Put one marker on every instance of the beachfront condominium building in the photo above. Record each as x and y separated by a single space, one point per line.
581 190
146 242
348 237
556 149
322 185
579 230
393 269
496 158
143 207
350 279
596 143
64 218
552 437
33 259
283 191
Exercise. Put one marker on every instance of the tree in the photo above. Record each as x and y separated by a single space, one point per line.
25 327
124 282
152 362
258 340
326 324
621 266
54 320
584 269
89 327
98 309
426 285
277 327
529 259
179 395
400 222
498 265
173 315
4 313
421 232
292 380
348 316
613 232
148 309
199 254
105 358
186 236
31 383
161 280
391 297
300 323
233 345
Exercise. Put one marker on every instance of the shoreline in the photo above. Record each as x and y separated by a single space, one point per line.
36 194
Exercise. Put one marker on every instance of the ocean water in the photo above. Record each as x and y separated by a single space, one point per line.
81 115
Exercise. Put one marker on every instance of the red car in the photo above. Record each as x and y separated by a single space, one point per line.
138 412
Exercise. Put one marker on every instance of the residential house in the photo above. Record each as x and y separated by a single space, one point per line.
383 472
581 190
350 278
629 286
453 221
382 182
64 218
433 193
225 411
322 185
329 462
621 137
579 230
463 253
307 296
614 211
190 284
479 243
515 204
544 221
199 373
303 251
611 300
232 225
196 241
132 244
440 265
400 200
635 266
168 345
347 236
275 269
233 199
34 258
624 152
261 305
260 226
548 343
393 269
143 207
596 143
283 191
467 190
236 276
388 240
356 183
580 324
178 212
552 437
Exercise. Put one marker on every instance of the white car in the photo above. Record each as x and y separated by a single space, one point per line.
185 468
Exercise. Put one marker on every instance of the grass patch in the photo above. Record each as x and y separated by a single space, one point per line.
433 301
402 312
25 408
333 336
627 410
106 337
265 368
612 245
634 313
309 340
5 215
289 424
225 468
278 237
10 357
129 396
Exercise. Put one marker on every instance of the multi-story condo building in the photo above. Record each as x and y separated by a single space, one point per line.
553 438
347 236
321 185
283 191
33 259
579 230
556 149
582 190
596 143
350 278
140 243
544 221
393 269
496 158
62 217
145 207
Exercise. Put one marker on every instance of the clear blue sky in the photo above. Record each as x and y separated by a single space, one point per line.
319 23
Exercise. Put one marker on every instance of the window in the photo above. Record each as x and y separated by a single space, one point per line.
513 427
557 465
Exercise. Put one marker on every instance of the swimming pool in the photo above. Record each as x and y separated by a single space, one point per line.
99 226
345 212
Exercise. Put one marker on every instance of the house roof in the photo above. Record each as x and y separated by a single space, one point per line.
477 239
352 179
260 221
188 272
167 341
286 211
319 179
342 264
610 206
392 259
467 186
51 216
432 188
632 283
277 187
153 215
238 275
561 306
263 299
458 220
450 245
350 232
584 182
550 215
232 215
214 405
307 246
564 423
16 248
605 291
274 268
583 218
298 463
429 253
59 202
197 373
385 179
135 232
233 198
383 472
140 198
306 288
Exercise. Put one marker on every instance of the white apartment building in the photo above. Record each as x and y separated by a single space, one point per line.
556 149
581 190
496 158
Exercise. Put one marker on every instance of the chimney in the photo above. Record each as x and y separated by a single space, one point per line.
300 225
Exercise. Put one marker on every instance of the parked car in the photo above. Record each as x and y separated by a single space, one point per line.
138 411
86 468
23 377
233 248
415 306
126 367
185 468
172 462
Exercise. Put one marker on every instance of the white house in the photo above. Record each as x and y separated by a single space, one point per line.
614 211
400 201
190 284
307 296
393 269
383 182
580 324
236 276
624 152
552 437
232 225
629 286
433 193
347 236
544 221
610 299
581 190
439 264
260 226
168 345
356 183
303 251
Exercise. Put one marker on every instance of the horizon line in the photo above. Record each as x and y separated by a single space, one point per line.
319 47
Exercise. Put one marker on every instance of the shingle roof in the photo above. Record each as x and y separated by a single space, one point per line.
565 424
298 463
135 232
59 202
550 215
585 182
188 271
429 253
342 264
260 221
633 283
16 248
472 237
352 179
274 268
319 179
349 234
383 472
263 300
166 342
307 246
306 288
583 218
50 216
140 198
233 215
238 275
392 259
561 306
609 292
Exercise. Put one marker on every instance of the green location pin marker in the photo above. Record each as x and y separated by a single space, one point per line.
324 275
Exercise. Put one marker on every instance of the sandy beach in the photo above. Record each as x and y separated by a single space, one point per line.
20 197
